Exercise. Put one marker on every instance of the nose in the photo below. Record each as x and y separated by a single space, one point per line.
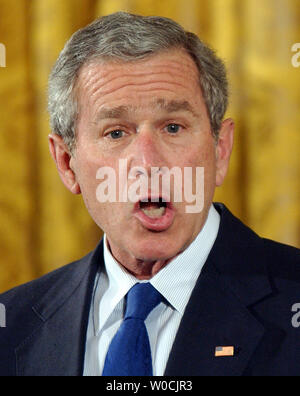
146 151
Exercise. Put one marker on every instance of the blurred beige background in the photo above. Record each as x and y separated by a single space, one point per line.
43 226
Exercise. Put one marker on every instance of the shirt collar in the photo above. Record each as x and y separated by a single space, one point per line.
182 272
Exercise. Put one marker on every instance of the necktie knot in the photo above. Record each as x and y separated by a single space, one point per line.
142 298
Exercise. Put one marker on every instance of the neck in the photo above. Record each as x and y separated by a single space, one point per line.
141 269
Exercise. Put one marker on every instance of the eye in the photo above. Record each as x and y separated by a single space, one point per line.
173 128
117 134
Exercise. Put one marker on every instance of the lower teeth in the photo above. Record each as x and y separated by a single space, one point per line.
154 212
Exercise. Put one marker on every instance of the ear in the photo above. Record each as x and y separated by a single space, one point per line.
224 149
62 158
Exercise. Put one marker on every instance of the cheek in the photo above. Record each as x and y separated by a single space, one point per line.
88 162
90 178
86 175
204 157
201 156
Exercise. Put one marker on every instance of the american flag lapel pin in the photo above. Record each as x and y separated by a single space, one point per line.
224 351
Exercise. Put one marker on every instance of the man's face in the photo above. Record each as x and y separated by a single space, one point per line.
150 113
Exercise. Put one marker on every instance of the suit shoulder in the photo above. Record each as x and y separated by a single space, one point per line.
241 242
284 260
31 291
24 307
278 252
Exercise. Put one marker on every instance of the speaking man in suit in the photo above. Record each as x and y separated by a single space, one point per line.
172 289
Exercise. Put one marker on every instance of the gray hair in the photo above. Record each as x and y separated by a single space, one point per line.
129 37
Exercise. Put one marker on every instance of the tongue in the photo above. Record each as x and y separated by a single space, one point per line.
152 209
150 205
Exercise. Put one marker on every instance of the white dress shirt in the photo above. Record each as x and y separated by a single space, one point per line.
175 282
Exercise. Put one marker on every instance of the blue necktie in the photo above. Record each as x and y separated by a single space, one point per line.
129 353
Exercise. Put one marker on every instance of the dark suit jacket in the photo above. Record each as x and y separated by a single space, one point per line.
243 298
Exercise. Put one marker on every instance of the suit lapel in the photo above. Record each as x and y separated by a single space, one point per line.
214 317
56 346
219 313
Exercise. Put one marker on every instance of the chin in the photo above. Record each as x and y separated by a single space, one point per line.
154 249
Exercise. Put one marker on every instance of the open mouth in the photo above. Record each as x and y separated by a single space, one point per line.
155 215
154 210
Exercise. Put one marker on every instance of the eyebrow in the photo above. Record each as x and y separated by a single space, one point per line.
171 106
114 112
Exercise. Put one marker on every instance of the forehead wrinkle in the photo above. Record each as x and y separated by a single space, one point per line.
123 111
93 88
128 69
163 74
162 69
169 106
150 86
93 83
